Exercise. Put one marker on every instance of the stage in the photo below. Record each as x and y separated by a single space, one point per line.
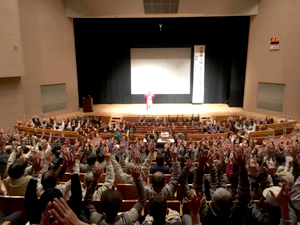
122 110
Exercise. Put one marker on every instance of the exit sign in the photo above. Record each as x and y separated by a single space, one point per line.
274 44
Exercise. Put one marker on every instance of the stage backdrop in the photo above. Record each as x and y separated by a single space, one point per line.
103 56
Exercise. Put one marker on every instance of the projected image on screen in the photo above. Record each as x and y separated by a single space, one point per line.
160 70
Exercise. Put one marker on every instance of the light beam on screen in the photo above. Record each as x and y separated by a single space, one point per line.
160 70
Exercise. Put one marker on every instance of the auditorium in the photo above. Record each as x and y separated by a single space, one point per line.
149 112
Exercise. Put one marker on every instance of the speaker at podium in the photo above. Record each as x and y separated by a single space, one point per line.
87 104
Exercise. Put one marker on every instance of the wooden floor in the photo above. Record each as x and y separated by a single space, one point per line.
163 110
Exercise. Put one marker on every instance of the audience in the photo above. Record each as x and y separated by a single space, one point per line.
159 213
111 201
160 159
234 180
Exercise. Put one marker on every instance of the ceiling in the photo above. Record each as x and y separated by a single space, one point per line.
135 8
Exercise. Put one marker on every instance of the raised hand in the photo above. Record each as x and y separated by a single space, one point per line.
97 172
270 168
48 156
107 155
135 171
64 150
137 155
203 158
195 206
174 152
34 152
152 146
79 153
240 159
122 146
14 144
293 151
70 161
37 165
192 146
253 167
184 143
283 199
46 216
189 163
63 214
270 150
211 159
222 156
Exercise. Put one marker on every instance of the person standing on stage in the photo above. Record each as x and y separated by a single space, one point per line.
149 97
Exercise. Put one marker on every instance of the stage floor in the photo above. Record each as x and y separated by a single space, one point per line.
163 110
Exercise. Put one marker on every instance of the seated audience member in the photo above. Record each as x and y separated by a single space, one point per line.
61 213
295 197
142 119
270 211
3 159
58 212
91 160
16 182
35 207
195 119
53 174
283 200
111 201
118 135
172 120
158 181
222 209
129 128
109 179
179 136
158 120
3 156
150 136
195 207
187 119
160 165
125 178
159 213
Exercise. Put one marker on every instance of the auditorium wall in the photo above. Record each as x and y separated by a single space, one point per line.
274 19
49 58
11 63
11 101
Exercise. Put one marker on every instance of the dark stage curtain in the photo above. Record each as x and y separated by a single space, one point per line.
103 55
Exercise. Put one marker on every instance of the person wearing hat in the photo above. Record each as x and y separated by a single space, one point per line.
275 208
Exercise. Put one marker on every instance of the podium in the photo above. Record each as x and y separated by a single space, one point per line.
87 104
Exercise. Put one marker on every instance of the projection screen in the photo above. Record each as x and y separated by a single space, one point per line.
160 70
